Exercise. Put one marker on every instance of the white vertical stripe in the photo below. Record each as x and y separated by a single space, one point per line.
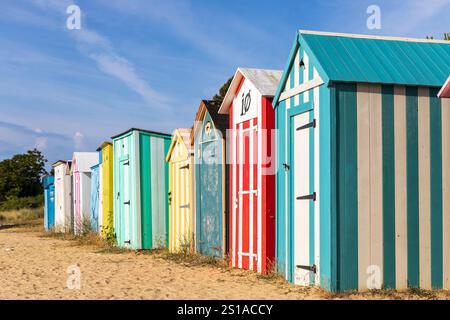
301 207
241 179
288 86
376 182
306 75
297 76
286 191
446 190
424 189
316 94
259 182
401 248
233 197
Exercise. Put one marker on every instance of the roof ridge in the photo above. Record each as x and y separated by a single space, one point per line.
364 36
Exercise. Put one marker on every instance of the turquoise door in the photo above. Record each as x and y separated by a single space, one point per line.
95 197
209 194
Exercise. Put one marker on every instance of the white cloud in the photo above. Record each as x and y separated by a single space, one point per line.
78 139
99 48
409 15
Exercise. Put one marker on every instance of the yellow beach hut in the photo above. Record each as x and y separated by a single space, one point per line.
107 190
181 223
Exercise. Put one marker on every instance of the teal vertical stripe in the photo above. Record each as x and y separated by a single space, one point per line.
327 136
412 178
347 184
436 189
280 115
388 186
146 191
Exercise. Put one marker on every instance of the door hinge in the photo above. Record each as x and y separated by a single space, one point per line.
185 167
312 268
184 206
286 167
311 196
126 163
312 124
127 242
127 202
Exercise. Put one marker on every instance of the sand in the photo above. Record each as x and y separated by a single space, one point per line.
35 267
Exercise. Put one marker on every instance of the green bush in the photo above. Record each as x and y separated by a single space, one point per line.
15 203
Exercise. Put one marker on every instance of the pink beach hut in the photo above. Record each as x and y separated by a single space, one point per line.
81 171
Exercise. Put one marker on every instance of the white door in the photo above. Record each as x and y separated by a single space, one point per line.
303 197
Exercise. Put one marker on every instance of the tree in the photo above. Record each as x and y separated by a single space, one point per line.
21 175
446 36
222 92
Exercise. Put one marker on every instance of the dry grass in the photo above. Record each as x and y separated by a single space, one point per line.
21 216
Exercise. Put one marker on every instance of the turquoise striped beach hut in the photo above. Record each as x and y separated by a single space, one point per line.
363 181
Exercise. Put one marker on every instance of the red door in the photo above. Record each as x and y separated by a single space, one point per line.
246 215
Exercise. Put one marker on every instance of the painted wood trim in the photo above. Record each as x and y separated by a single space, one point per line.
445 107
306 86
401 238
412 171
424 188
436 189
364 201
389 201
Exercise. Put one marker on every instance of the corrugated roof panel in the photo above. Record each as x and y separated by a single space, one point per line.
381 60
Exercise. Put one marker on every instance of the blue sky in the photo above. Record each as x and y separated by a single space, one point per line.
147 64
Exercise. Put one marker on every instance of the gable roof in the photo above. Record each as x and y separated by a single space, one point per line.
84 160
141 130
445 90
265 81
220 120
374 59
185 134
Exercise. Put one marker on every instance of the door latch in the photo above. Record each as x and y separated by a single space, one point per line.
312 268
311 196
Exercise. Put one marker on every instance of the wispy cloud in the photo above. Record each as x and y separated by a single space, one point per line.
99 48
409 15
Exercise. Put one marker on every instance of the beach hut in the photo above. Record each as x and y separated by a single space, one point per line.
252 174
181 218
96 197
49 202
107 224
81 192
211 181
363 183
140 189
63 196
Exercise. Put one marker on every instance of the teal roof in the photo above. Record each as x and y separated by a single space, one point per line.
388 60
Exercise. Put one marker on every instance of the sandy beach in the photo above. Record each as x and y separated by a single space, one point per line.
35 267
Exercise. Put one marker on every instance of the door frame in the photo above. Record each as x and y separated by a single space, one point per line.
291 114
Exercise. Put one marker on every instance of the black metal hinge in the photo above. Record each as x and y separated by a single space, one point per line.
127 242
127 202
312 268
312 124
286 167
126 163
311 196
185 167
185 206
